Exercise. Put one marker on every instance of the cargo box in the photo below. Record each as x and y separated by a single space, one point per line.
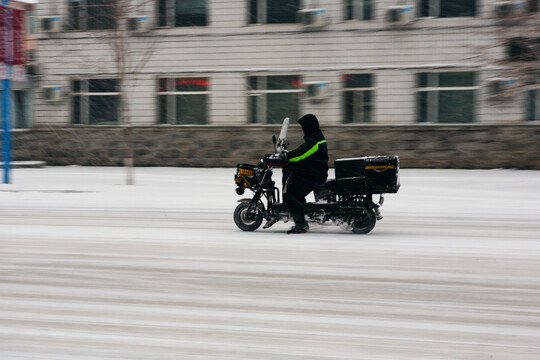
380 173
351 186
346 168
245 175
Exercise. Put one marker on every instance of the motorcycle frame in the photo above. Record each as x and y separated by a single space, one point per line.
338 208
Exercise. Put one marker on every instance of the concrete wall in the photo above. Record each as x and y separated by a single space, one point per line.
419 146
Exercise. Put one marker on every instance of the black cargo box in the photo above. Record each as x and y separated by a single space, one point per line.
351 186
380 173
346 168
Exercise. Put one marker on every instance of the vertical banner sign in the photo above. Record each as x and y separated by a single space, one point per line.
3 70
18 32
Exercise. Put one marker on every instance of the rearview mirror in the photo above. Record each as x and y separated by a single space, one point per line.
274 139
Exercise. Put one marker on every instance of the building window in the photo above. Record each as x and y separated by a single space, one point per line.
30 22
446 97
31 56
182 13
447 8
95 102
358 91
273 11
532 103
532 6
359 9
523 49
183 101
91 14
21 108
273 98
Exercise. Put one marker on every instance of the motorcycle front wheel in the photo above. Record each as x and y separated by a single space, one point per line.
364 224
246 221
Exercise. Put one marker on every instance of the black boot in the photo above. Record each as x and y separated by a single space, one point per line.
299 229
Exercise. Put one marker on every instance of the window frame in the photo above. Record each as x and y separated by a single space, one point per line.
262 13
358 13
519 49
532 6
260 94
344 90
172 92
170 15
82 17
434 10
532 97
84 105
433 88
31 22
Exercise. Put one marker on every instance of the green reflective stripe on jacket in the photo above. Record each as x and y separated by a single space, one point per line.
308 153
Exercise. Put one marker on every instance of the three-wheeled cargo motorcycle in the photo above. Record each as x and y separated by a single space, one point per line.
347 201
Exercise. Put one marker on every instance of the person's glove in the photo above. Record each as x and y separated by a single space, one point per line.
276 160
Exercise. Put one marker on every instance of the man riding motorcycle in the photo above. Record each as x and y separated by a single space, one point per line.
307 170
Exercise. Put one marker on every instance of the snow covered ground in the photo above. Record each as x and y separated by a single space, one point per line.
93 269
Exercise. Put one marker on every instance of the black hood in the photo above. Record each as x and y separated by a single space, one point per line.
309 123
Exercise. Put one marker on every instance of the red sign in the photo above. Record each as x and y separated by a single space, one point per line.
12 42
3 35
18 22
193 81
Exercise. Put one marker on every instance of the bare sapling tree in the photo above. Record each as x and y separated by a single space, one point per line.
518 34
110 24
128 62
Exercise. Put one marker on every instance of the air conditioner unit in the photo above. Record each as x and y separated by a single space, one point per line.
500 88
506 9
51 24
33 68
138 24
312 18
53 93
400 15
316 90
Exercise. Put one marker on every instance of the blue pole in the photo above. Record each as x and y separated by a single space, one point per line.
6 91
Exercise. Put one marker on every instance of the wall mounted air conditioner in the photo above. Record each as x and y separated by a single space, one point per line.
53 93
506 9
52 24
316 90
399 15
138 24
33 68
312 18
501 88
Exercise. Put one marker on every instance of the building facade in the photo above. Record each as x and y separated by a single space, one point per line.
205 82
235 62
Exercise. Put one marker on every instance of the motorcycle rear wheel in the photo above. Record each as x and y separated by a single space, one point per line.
246 221
364 224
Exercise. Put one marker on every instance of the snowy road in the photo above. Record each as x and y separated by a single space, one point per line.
90 269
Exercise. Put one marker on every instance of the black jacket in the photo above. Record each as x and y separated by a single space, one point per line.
310 160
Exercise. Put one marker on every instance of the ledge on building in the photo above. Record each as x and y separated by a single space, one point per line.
25 164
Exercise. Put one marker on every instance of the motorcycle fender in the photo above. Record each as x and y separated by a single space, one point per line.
244 200
260 204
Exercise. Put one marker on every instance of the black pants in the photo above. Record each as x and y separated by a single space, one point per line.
294 194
